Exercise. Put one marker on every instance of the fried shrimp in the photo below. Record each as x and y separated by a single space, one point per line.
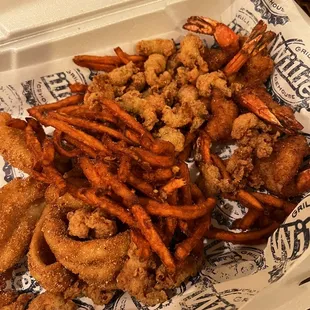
155 73
133 102
191 53
216 79
172 135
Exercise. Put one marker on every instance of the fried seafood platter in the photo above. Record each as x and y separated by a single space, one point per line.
109 204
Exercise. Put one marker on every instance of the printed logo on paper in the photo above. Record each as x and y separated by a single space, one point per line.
229 299
51 87
227 262
271 11
291 78
289 242
10 101
226 212
10 173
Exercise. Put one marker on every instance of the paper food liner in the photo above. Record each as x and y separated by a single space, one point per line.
233 274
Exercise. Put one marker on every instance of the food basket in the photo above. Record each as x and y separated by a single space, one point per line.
37 41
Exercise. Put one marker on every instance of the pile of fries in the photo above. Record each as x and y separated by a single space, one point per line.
130 175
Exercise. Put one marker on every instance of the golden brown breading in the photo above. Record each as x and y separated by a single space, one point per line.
223 113
191 53
172 135
84 223
20 304
7 297
120 76
137 278
155 73
21 205
278 170
49 301
156 46
13 146
216 79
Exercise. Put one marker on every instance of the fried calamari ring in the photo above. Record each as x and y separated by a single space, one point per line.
95 261
47 301
42 264
20 208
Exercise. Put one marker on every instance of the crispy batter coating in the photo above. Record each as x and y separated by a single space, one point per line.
138 278
257 69
216 79
133 102
250 131
240 165
188 95
20 304
42 263
224 111
96 261
7 297
138 82
178 116
164 47
278 170
84 223
49 301
13 146
21 207
120 76
101 83
185 75
169 93
191 53
155 73
172 135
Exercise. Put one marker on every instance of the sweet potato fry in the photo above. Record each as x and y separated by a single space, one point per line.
170 226
185 154
89 196
204 144
57 139
150 234
143 247
249 236
249 219
154 160
221 166
33 144
105 60
184 248
80 146
121 55
119 188
171 186
274 201
118 112
197 194
84 112
190 212
48 155
124 168
92 126
142 186
72 132
158 175
72 100
249 200
91 173
185 190
78 88
17 123
37 127
132 136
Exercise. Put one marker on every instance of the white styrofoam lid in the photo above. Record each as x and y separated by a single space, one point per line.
20 18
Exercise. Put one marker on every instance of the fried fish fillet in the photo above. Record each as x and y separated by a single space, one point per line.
13 146
21 205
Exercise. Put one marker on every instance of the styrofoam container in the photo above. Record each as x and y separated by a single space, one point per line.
37 41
